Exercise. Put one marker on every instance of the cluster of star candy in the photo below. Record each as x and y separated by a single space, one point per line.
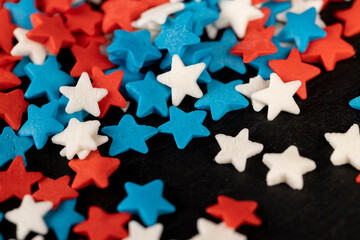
124 38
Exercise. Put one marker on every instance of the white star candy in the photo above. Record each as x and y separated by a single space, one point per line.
138 232
83 96
237 150
278 97
212 231
237 14
29 217
26 47
346 147
182 80
287 167
79 138
255 84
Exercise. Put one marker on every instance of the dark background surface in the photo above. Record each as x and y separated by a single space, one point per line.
327 208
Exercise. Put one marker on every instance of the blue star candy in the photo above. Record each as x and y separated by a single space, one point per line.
176 34
46 79
12 145
146 201
301 29
61 219
222 98
275 8
19 69
21 12
129 135
150 95
62 116
41 124
355 103
133 49
185 126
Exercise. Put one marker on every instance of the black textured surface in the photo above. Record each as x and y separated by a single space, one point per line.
327 208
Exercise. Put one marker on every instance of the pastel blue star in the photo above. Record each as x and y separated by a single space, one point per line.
1 218
129 135
222 98
301 29
185 126
355 103
151 96
61 219
62 116
176 34
41 124
146 201
20 12
275 8
19 69
46 79
133 49
12 145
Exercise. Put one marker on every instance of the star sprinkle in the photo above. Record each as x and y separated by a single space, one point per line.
16 181
146 201
6 31
221 98
346 147
128 135
351 18
79 138
293 69
329 50
29 217
287 167
275 9
151 96
103 225
185 126
237 150
83 96
61 219
182 80
51 7
137 231
212 231
64 117
21 12
278 97
8 80
46 79
235 213
94 169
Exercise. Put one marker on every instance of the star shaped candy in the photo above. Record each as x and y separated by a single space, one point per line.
16 181
287 167
278 97
151 96
83 96
137 231
355 103
221 98
237 150
21 12
8 79
51 7
26 47
346 147
235 213
6 30
182 80
259 24
351 18
94 169
293 69
146 201
301 29
185 126
29 217
103 225
62 116
275 9
61 219
129 135
212 231
79 138
329 50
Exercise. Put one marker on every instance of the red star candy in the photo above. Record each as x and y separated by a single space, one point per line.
351 19
235 213
87 58
255 43
293 69
329 50
259 24
6 31
84 40
8 80
103 225
83 19
55 191
16 181
94 169
12 107
7 61
51 7
51 32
